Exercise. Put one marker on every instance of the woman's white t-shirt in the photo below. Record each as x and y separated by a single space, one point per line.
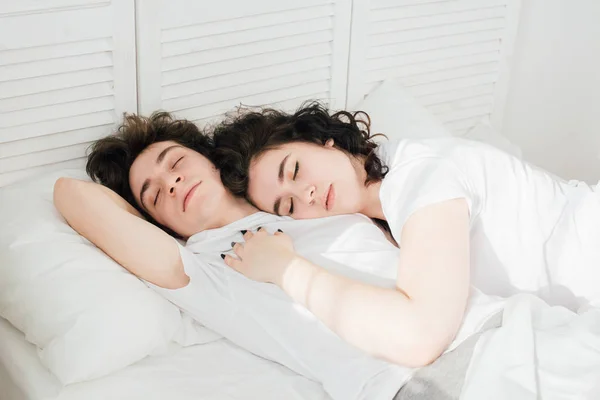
530 231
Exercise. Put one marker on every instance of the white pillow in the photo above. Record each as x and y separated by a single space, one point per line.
485 132
395 113
87 315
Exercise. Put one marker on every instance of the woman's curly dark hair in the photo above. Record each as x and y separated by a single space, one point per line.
110 158
246 136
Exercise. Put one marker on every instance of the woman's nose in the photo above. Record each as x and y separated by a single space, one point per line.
309 195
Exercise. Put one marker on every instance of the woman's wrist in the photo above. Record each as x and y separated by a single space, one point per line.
297 278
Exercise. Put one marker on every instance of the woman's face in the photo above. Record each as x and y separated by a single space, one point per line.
305 180
180 188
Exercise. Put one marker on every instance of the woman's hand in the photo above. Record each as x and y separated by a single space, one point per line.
263 257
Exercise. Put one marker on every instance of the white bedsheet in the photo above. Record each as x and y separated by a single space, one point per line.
22 375
539 352
215 371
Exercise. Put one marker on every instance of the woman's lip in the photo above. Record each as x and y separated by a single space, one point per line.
188 196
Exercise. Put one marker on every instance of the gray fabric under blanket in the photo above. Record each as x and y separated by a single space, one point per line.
443 379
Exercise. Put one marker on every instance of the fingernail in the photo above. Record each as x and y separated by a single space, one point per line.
279 230
243 231
223 256
232 244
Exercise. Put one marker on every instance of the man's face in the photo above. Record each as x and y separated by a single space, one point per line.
179 187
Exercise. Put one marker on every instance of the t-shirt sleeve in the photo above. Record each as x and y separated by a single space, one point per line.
187 257
419 183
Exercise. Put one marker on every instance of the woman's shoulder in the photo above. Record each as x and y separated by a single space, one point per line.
399 151
424 172
453 149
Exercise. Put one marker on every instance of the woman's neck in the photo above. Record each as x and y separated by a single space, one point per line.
371 201
371 204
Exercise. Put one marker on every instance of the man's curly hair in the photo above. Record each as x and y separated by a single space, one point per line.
110 158
247 135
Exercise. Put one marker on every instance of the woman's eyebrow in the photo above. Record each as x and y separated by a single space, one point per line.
276 206
280 179
282 167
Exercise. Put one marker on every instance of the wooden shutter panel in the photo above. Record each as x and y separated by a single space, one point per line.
452 55
67 73
199 61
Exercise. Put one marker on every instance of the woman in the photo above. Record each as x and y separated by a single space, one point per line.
452 205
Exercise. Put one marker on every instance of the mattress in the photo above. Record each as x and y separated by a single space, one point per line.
218 370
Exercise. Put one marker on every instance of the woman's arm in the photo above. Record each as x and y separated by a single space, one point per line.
434 270
410 325
113 225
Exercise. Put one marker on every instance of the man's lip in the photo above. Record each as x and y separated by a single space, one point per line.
326 197
189 195
329 200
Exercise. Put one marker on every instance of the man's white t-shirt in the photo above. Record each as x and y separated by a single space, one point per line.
261 318
530 231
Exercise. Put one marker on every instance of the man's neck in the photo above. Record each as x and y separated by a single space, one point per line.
235 209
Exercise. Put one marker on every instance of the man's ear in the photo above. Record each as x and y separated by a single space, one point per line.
329 143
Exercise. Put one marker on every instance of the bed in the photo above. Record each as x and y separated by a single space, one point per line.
218 370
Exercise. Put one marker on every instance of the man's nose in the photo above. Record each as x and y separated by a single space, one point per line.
175 184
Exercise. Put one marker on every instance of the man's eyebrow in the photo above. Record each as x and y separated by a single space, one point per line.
282 167
163 153
159 159
145 187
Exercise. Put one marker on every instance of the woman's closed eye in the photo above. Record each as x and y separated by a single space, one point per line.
296 168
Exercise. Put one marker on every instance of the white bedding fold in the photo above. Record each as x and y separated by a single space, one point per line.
540 352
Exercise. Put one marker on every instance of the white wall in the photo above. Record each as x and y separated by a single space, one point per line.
553 104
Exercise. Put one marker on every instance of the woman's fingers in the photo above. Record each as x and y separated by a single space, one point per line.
247 235
238 249
232 262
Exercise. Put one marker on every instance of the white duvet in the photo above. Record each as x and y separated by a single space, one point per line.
539 352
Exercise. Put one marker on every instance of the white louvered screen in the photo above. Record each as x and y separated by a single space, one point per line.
449 54
199 59
67 72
